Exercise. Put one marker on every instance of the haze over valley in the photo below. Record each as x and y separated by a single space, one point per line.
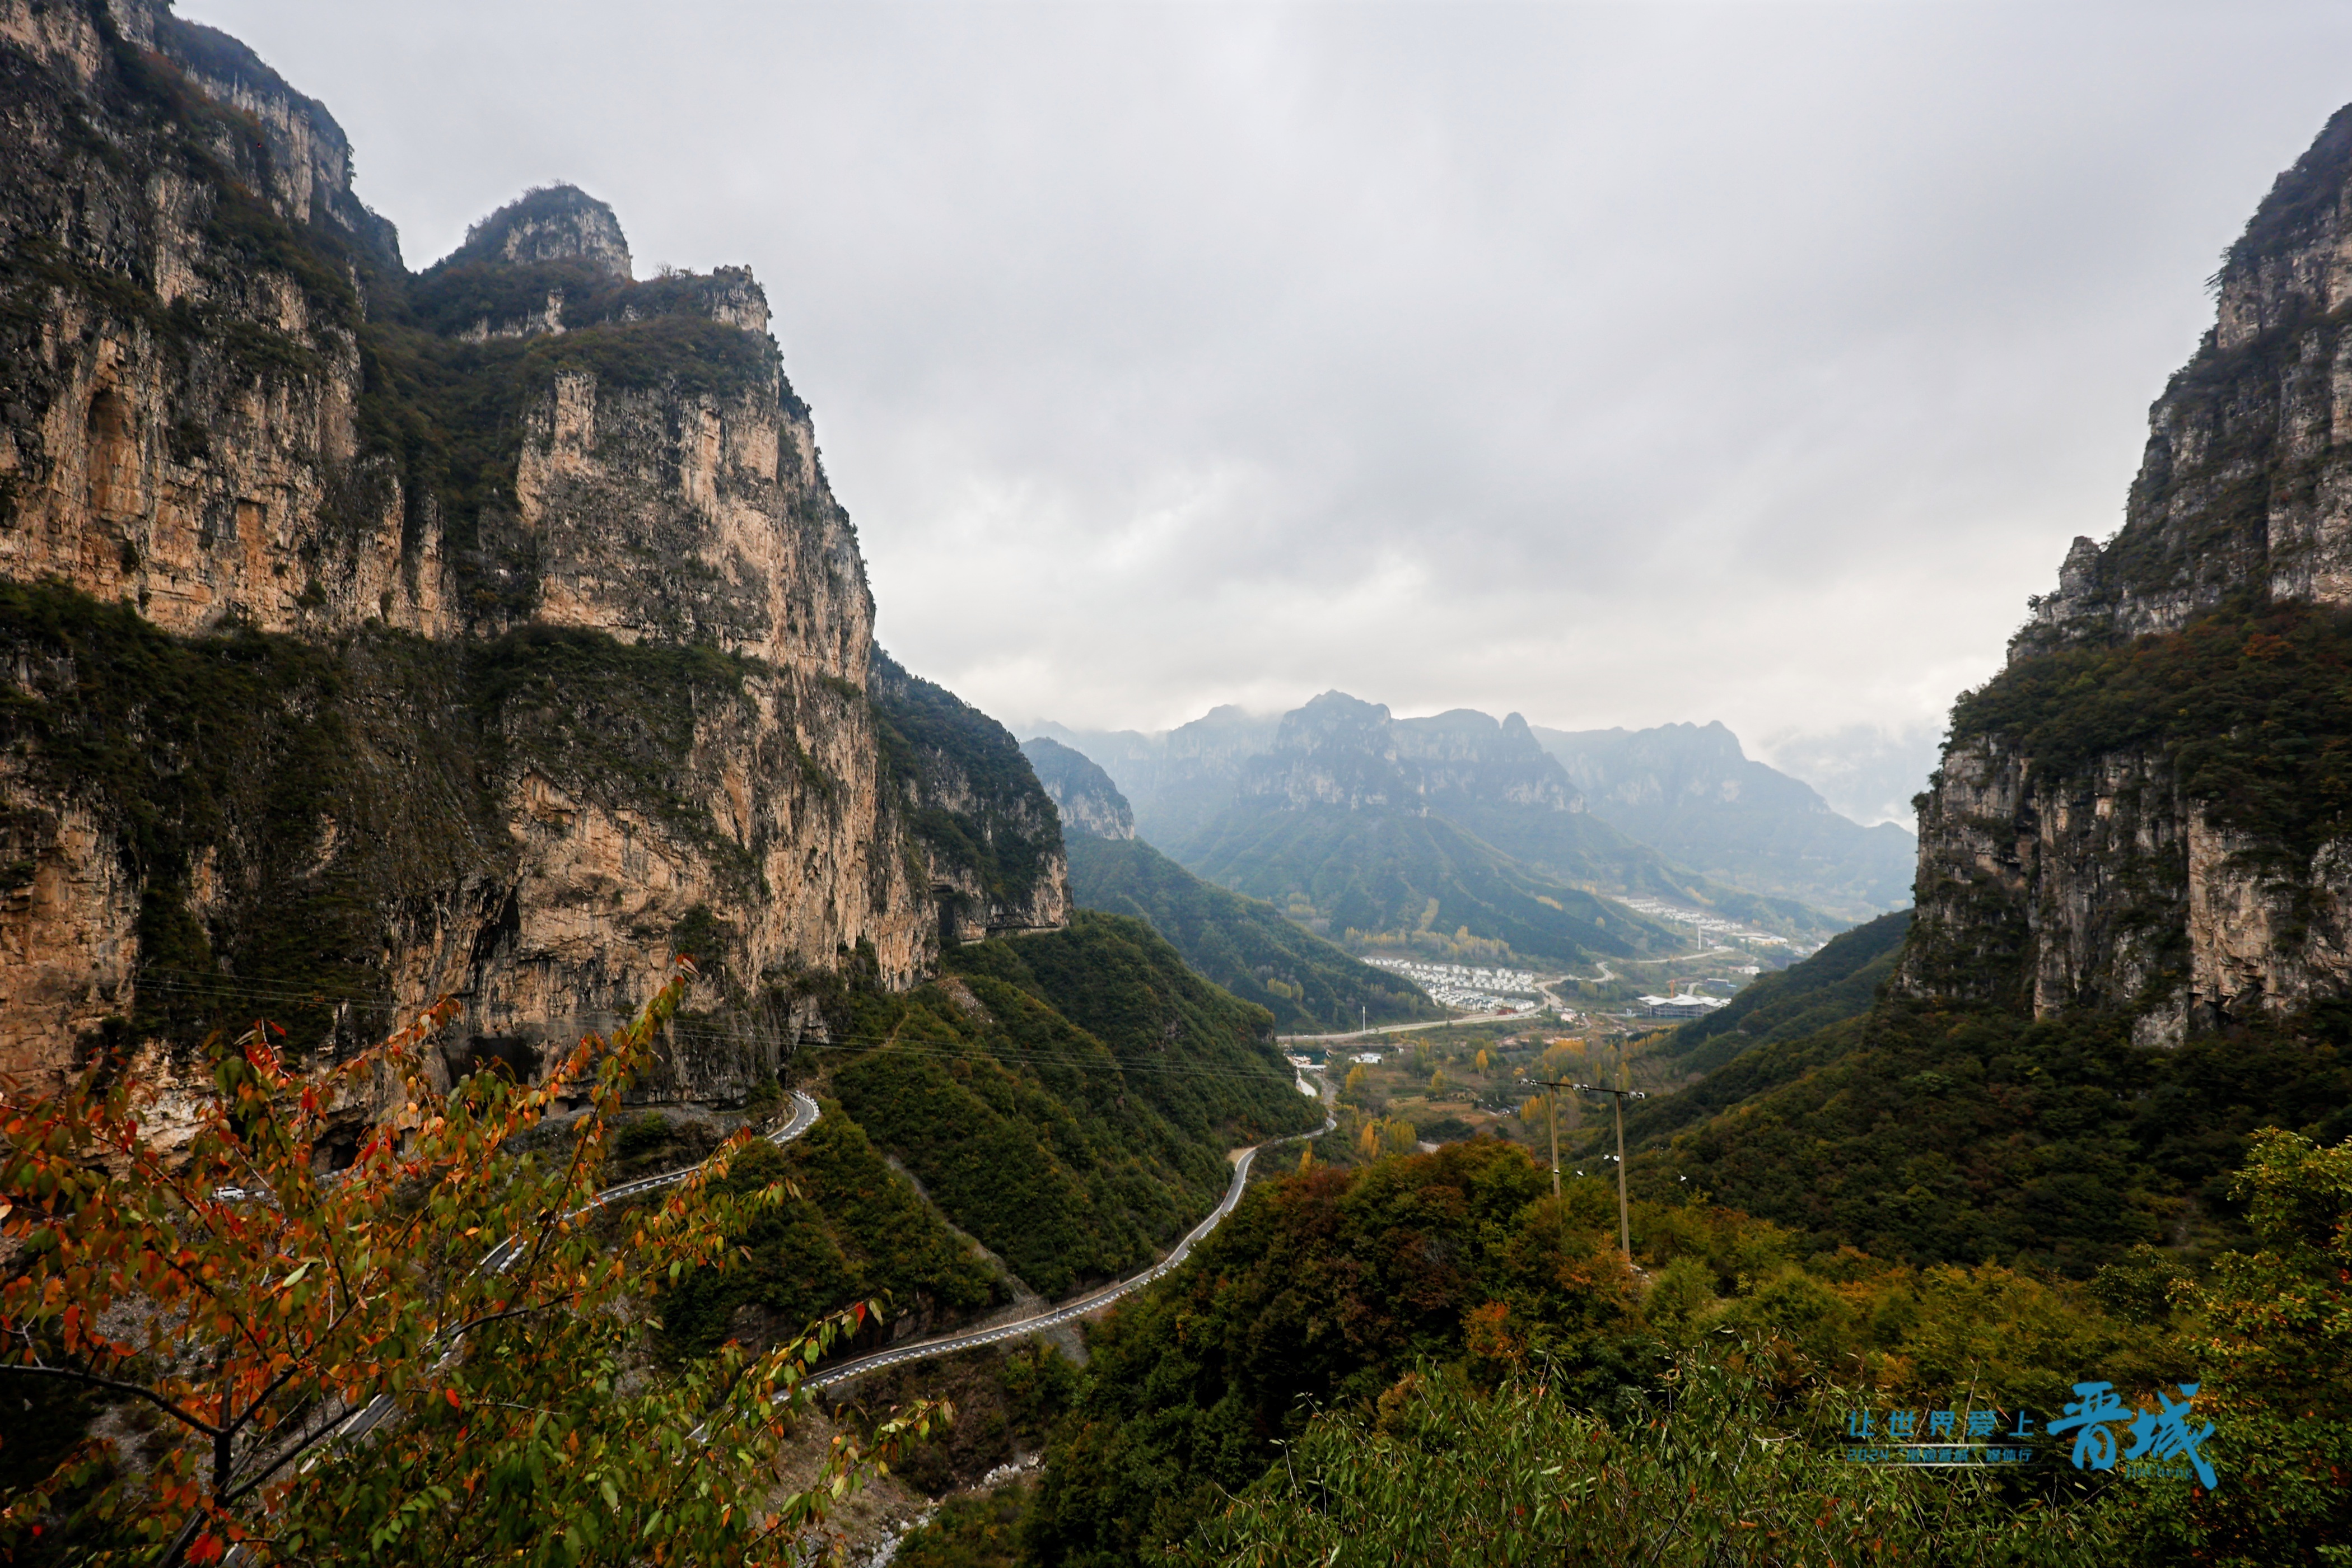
1749 928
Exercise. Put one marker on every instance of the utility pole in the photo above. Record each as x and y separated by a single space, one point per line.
1551 1103
1618 1099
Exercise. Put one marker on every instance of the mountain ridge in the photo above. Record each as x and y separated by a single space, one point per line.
1691 793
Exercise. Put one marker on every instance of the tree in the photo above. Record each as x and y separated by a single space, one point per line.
435 1354
2274 1336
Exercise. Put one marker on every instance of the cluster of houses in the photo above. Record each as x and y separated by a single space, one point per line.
1715 926
1475 990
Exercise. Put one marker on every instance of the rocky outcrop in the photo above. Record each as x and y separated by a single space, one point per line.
992 843
2246 483
1338 750
373 636
1084 796
2121 820
554 223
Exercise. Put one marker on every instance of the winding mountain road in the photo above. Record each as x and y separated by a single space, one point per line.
501 1257
805 1114
1077 1307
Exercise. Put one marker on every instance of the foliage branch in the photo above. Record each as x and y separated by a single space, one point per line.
433 1355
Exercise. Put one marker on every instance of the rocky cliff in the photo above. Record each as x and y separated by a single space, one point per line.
1088 803
373 636
2144 811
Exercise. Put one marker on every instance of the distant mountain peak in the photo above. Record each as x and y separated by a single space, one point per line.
1692 791
553 223
1338 749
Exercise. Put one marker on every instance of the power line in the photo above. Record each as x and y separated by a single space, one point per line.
228 988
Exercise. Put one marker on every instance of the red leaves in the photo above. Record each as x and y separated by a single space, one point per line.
373 1276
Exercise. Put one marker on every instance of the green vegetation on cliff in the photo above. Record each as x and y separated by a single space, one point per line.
2252 705
975 802
1241 943
309 783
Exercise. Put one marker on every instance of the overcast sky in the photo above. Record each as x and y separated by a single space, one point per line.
1616 365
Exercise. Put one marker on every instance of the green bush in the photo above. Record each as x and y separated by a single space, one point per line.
1707 1472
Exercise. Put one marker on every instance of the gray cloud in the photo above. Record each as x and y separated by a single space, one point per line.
1615 364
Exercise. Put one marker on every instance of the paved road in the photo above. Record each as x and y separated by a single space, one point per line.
501 1257
803 1116
1402 1029
1065 1311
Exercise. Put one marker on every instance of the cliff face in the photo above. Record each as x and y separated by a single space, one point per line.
490 631
2140 812
1089 805
2246 484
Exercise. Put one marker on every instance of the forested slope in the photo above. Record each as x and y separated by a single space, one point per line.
1241 943
1840 982
1420 882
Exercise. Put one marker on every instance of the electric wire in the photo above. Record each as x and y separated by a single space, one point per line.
229 989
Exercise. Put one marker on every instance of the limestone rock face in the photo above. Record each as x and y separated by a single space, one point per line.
373 636
2109 888
2107 881
2246 483
1084 796
559 223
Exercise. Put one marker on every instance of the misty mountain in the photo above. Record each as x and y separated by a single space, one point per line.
1241 943
1453 835
1412 882
1175 779
1690 792
1679 813
1340 751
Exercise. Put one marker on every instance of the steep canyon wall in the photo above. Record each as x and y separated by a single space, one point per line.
372 636
2147 810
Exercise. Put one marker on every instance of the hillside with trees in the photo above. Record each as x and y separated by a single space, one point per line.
1244 944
